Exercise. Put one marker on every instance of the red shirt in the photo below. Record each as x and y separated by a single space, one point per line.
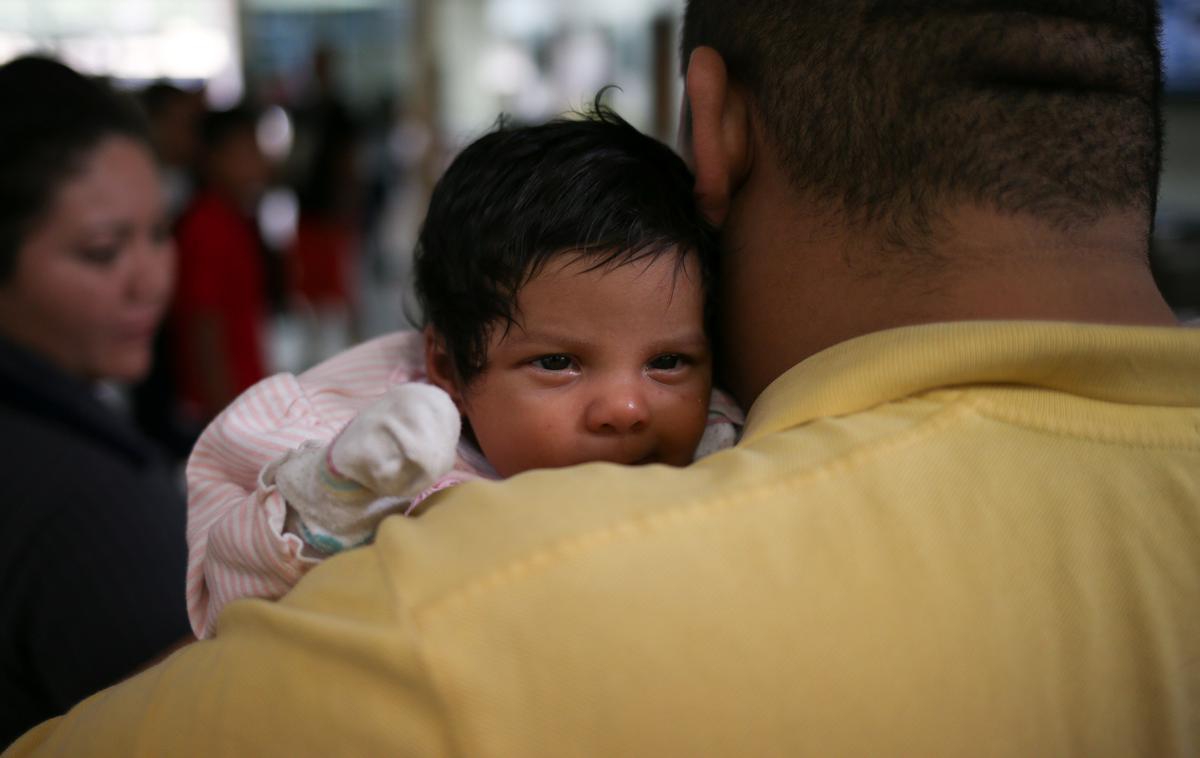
221 274
321 260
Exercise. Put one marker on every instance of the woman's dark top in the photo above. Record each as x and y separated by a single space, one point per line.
92 547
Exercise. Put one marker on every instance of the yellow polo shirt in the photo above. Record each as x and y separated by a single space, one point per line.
958 539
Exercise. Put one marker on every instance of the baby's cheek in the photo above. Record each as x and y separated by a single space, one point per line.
537 443
684 424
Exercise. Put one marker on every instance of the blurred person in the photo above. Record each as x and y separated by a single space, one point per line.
92 551
325 169
322 113
174 120
964 514
221 306
394 204
323 256
564 274
174 117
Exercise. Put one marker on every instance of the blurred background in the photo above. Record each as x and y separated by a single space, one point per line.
355 106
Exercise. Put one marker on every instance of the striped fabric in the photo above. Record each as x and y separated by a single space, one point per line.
239 544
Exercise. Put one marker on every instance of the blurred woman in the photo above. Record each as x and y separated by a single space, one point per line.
92 550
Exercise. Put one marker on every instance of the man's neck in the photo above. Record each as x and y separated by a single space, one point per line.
1004 266
800 283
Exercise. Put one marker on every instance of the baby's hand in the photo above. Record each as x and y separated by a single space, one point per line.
400 444
395 448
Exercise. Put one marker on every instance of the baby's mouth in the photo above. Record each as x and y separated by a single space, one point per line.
627 459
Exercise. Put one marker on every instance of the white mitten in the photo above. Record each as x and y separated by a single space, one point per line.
395 448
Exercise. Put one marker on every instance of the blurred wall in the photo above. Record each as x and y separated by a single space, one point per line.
1176 252
1181 174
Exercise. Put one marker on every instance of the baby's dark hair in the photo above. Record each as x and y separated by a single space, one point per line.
520 196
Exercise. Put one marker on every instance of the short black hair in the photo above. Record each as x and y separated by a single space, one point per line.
219 127
520 196
52 117
887 110
158 96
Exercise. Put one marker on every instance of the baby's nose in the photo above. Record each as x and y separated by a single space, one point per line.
617 410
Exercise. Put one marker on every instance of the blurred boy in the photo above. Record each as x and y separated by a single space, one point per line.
221 304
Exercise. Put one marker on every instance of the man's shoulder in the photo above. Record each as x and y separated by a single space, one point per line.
986 452
475 533
922 550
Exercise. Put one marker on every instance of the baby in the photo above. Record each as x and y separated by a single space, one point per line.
563 271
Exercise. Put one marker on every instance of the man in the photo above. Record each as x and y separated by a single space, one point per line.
221 302
965 514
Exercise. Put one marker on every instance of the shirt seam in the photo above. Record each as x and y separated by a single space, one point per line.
991 411
420 651
566 548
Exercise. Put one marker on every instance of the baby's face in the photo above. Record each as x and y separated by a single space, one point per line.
605 365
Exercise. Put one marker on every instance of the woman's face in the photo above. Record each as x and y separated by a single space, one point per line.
94 275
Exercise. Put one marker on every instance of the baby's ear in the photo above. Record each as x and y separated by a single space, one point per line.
439 367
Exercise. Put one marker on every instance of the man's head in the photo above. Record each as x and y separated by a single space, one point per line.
231 161
563 271
174 116
889 110
882 163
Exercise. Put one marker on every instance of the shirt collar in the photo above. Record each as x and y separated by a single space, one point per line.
1124 364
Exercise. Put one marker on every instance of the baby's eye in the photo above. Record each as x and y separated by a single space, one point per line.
553 362
668 362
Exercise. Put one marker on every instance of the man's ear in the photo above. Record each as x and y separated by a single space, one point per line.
719 143
439 367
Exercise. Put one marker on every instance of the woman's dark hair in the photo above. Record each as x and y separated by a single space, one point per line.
50 118
520 196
